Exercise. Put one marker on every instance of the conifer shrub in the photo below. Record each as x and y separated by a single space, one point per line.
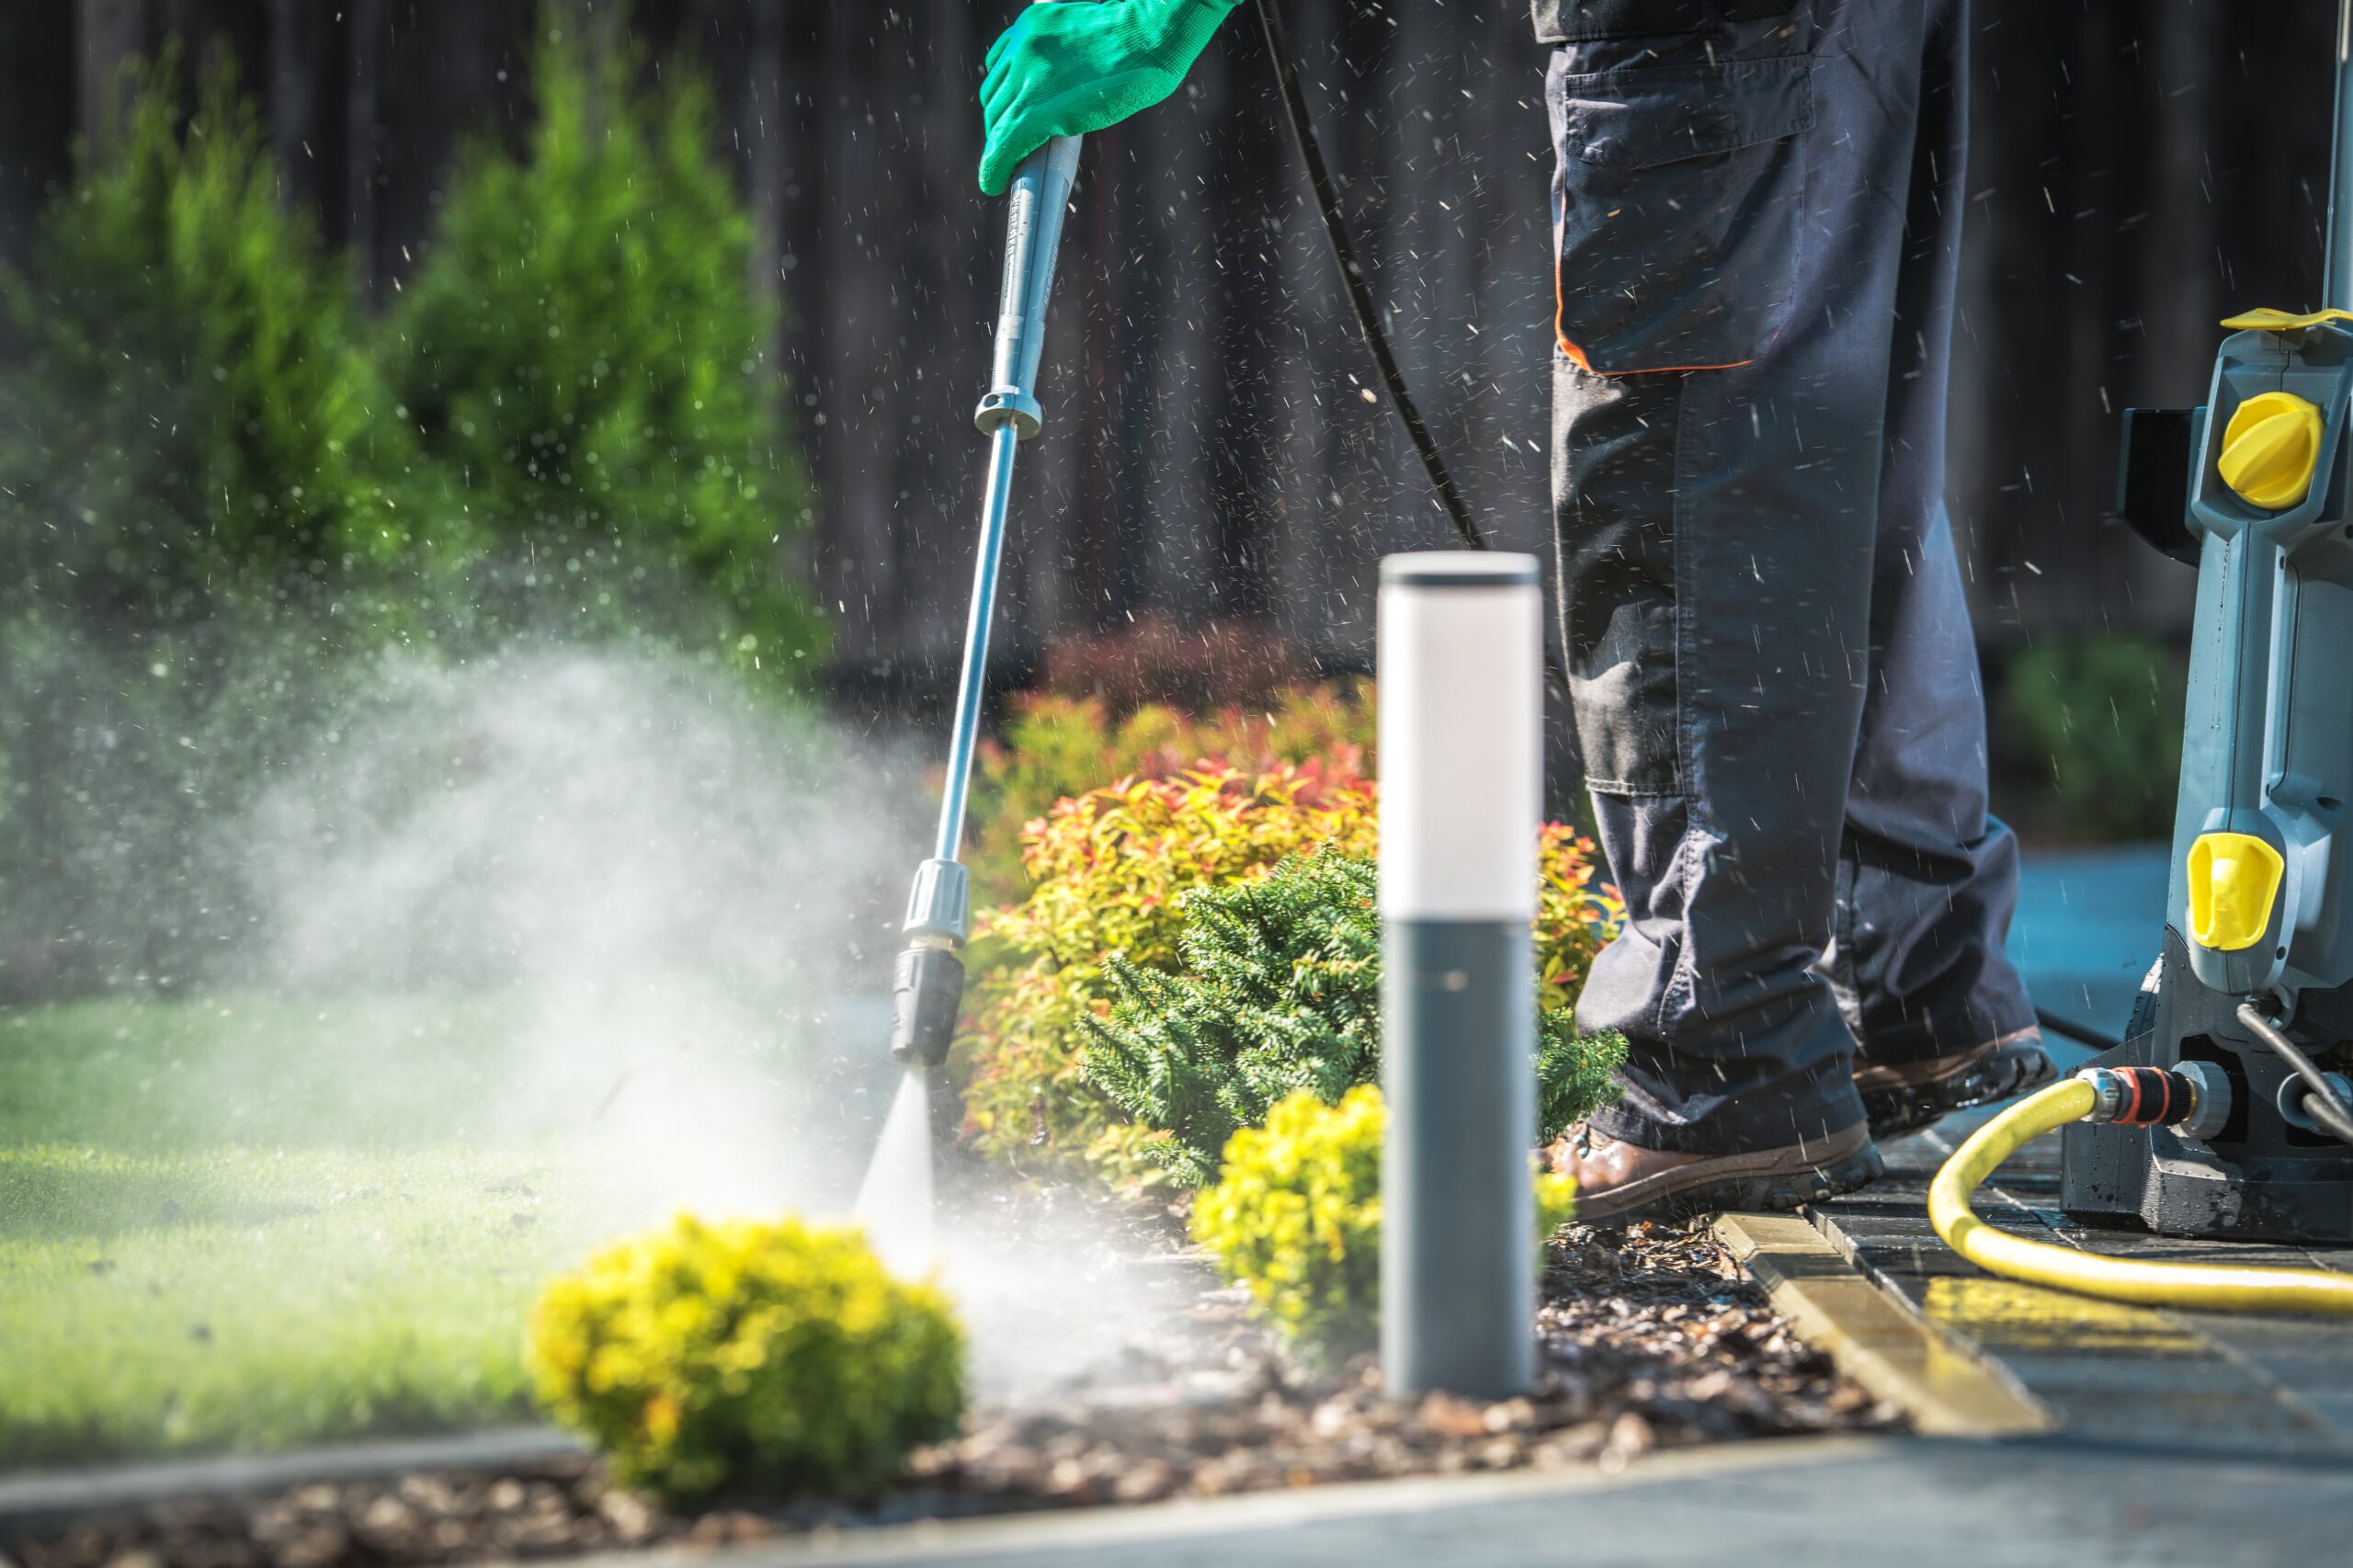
2098 719
581 352
1107 868
192 421
1109 871
770 1357
203 509
1295 1217
1276 992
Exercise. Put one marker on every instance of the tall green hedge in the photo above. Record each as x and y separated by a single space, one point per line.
201 508
225 489
191 414
582 358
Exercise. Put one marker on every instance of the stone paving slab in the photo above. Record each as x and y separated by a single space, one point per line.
2216 1381
2088 925
1944 1383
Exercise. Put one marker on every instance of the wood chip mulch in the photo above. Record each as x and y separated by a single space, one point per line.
1650 1339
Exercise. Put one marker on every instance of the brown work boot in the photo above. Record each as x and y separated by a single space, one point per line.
1619 1183
1907 1096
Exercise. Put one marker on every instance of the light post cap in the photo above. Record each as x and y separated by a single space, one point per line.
1457 569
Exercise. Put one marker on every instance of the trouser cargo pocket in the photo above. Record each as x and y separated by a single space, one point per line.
1678 207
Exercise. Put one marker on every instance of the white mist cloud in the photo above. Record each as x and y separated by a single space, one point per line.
670 910
688 894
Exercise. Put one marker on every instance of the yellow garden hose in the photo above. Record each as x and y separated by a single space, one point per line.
2214 1287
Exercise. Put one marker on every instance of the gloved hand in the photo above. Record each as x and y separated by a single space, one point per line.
1067 69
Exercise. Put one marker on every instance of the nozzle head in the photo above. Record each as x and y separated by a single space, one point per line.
926 992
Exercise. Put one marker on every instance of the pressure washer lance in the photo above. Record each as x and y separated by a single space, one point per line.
927 987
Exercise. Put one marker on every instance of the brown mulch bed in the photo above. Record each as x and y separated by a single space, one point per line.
1650 1339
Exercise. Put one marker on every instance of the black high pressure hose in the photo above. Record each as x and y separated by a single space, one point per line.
1360 300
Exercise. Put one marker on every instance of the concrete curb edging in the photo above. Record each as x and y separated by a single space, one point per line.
1106 1529
1947 1386
30 1499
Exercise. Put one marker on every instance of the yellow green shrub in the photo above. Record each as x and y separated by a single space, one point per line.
1058 744
1295 1217
1109 867
1576 913
772 1356
1106 870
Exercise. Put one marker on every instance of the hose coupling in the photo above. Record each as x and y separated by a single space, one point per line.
2145 1096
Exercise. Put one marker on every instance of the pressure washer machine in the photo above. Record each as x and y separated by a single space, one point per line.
2249 1006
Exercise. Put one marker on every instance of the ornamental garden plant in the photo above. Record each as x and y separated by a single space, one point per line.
1277 993
1114 873
1057 744
1109 867
588 377
772 1356
1295 1219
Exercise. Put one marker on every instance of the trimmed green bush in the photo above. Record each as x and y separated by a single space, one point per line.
1277 993
581 353
770 1357
201 509
191 418
2103 713
1295 1217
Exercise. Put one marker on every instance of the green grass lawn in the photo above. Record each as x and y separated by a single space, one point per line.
248 1222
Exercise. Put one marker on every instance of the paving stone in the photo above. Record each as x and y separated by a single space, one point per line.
1916 1260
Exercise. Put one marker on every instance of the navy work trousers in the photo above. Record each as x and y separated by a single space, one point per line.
1758 207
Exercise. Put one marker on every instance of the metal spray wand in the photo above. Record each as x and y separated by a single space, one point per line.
928 985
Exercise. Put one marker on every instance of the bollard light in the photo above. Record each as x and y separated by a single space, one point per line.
1461 713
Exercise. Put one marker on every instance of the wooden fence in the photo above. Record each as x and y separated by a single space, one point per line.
2138 170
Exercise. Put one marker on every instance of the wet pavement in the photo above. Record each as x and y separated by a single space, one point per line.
2207 1381
2218 1382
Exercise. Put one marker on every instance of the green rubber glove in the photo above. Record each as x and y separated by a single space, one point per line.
1069 68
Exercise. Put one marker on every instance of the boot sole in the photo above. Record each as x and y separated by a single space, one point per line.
1998 1074
1776 1192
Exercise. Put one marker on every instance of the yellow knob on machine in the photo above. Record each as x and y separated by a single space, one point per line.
2269 449
2233 882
